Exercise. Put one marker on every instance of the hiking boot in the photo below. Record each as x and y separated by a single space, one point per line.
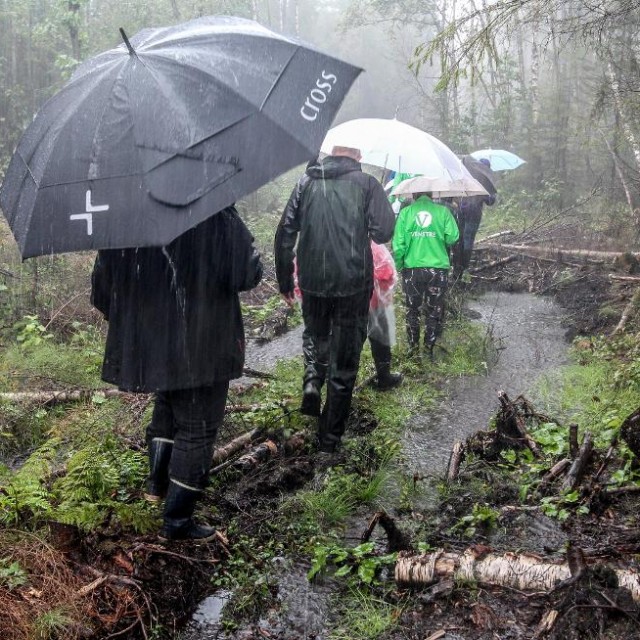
310 400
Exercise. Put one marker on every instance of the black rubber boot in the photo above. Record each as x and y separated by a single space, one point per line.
311 399
382 359
178 511
315 353
158 480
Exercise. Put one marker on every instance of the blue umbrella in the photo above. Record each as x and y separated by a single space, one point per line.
500 159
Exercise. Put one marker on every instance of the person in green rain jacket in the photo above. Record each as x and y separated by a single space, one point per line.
424 231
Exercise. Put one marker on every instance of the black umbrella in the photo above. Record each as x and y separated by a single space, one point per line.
481 172
152 137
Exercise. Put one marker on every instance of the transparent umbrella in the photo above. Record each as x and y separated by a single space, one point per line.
397 146
500 159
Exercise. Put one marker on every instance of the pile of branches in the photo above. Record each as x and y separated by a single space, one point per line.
580 593
535 264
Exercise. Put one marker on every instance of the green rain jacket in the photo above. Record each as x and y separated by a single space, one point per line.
423 232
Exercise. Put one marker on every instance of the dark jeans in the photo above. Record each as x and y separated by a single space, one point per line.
190 419
424 291
472 218
338 328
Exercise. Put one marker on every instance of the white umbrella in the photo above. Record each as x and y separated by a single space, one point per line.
441 187
396 146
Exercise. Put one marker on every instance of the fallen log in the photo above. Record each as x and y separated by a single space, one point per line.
224 453
519 571
495 263
632 305
263 451
54 397
557 470
579 465
85 395
559 252
614 276
499 234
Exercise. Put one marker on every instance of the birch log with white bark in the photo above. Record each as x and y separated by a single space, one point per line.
516 570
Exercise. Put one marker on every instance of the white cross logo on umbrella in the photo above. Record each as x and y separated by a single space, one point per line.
88 214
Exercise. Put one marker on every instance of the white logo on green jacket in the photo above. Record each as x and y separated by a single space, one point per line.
423 219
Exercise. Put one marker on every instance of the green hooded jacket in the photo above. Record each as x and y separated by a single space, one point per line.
422 234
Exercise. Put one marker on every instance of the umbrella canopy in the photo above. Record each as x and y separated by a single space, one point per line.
152 137
397 146
481 172
440 187
500 159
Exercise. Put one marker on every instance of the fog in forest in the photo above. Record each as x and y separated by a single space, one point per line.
555 82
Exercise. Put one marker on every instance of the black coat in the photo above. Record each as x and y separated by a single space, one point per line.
335 209
174 313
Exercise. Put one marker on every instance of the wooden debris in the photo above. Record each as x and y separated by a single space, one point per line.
573 441
546 623
455 460
264 451
396 539
525 572
633 304
495 263
557 470
54 397
559 252
630 432
579 465
224 453
614 276
493 236
510 425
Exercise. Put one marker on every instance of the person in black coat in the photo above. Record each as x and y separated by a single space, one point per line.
175 330
334 212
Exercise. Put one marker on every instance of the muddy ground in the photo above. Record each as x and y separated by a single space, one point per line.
137 583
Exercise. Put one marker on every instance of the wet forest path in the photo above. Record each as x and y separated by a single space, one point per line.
526 339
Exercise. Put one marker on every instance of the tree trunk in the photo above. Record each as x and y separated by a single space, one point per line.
622 112
518 571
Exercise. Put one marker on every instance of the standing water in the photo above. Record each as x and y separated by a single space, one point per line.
529 340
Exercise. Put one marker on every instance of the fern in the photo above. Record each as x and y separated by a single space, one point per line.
99 486
26 496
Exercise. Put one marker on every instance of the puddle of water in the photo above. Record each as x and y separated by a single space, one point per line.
530 340
205 622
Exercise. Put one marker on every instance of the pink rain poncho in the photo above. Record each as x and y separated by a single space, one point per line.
382 320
